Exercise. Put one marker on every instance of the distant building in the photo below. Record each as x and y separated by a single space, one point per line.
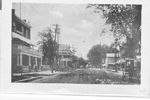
65 55
111 58
23 53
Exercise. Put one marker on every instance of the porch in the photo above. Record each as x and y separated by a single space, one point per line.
28 58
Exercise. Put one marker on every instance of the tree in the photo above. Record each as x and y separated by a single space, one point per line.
112 48
125 21
96 55
48 46
74 60
105 47
81 62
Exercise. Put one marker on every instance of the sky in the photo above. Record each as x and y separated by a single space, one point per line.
80 27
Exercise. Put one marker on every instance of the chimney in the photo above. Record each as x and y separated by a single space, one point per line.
13 11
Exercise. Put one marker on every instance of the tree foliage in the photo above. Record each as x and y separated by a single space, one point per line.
96 54
74 59
81 62
125 21
48 45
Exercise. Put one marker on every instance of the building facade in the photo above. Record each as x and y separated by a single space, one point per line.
23 52
65 55
111 59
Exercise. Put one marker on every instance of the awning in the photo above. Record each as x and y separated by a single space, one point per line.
136 60
104 65
121 61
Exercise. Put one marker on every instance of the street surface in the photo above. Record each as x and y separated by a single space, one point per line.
83 76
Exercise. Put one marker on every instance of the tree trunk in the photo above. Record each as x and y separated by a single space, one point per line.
51 65
52 68
131 48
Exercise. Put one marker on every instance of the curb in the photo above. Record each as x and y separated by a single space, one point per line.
28 79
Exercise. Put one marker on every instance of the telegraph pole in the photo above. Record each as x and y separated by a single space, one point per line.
20 9
57 33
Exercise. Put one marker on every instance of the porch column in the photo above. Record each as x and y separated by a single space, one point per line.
29 60
35 61
29 63
17 59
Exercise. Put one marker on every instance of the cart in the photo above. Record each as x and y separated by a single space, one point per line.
132 70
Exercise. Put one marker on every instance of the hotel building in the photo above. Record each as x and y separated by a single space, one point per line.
23 52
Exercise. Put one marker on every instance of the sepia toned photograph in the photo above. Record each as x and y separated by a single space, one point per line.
76 43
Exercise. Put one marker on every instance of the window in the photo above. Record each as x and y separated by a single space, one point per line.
19 27
26 32
25 60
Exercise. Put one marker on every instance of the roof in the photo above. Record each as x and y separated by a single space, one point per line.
22 21
136 60
64 47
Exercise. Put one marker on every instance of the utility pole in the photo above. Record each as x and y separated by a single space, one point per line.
20 9
57 33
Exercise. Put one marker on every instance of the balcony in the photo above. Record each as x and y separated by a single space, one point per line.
25 49
15 35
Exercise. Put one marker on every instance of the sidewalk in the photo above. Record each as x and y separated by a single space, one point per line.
119 72
46 72
30 76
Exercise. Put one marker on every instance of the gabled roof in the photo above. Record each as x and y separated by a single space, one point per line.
21 21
